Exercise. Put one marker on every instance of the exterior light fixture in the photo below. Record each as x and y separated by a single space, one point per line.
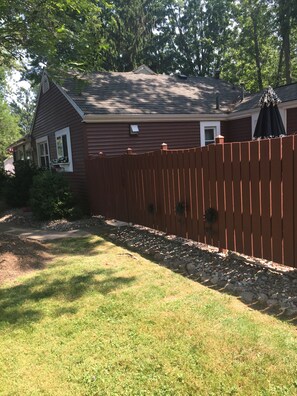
134 129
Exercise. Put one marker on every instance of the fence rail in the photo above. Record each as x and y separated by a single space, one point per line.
236 196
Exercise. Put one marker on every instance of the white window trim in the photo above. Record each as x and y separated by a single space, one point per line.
207 124
65 131
43 139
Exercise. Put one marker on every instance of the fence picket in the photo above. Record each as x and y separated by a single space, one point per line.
265 183
200 195
213 191
206 195
246 198
295 198
188 195
171 206
255 197
221 197
194 200
288 200
237 197
276 187
229 195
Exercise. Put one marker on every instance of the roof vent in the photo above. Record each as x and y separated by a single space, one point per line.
182 76
242 90
217 100
143 69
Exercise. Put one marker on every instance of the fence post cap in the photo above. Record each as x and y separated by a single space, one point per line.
220 139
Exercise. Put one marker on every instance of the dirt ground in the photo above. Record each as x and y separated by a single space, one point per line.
19 256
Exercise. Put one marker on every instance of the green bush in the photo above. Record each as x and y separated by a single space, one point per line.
51 197
3 180
17 187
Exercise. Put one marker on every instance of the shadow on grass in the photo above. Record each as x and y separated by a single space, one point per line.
15 301
272 311
83 246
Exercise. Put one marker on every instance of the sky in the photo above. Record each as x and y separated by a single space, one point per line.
14 83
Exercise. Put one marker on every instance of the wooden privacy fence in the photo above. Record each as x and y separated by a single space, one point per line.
236 196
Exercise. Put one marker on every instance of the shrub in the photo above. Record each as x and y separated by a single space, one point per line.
17 187
3 180
51 197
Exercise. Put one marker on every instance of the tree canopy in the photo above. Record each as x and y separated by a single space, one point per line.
251 41
9 128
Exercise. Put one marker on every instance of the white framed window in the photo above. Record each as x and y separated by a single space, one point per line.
209 130
43 155
64 152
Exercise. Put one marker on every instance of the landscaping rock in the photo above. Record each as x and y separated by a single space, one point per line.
214 279
262 298
191 268
248 297
272 302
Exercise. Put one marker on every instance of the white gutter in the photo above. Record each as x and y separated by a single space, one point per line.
106 118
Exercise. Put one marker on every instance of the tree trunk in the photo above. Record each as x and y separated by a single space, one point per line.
280 64
285 13
287 52
257 47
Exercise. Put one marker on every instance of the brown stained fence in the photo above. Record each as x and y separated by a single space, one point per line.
236 196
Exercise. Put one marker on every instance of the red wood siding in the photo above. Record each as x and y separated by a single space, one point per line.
239 130
114 139
54 113
292 121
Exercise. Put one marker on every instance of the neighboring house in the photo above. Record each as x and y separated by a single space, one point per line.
109 112
22 149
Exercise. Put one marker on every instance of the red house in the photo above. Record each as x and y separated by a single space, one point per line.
109 112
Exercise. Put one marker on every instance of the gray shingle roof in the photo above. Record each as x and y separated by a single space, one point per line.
286 93
132 93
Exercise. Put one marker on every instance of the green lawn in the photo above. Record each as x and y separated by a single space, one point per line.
100 321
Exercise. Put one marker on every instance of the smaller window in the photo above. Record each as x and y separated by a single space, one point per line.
63 146
209 134
134 129
209 130
43 154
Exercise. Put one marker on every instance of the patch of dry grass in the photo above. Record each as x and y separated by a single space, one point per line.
100 321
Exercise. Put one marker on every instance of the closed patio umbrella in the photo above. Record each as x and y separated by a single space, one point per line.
269 122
